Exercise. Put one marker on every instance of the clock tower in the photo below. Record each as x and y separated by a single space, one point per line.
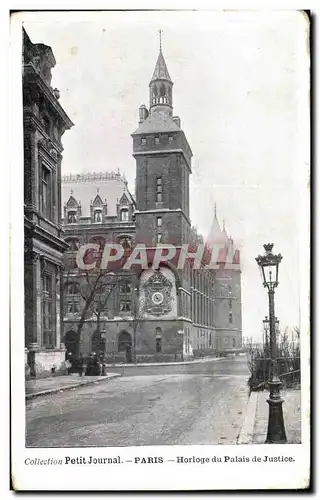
163 166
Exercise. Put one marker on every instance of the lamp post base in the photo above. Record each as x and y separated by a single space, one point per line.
276 431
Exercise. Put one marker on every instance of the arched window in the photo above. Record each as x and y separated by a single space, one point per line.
124 341
158 339
124 215
71 341
97 217
72 218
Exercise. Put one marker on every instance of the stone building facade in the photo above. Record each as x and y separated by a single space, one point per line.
171 311
44 123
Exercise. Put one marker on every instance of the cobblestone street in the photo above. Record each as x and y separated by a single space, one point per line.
201 403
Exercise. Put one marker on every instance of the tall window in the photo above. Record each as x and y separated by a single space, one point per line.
72 298
97 216
125 305
230 317
125 287
45 193
124 215
159 189
157 140
159 221
47 311
158 339
72 218
159 238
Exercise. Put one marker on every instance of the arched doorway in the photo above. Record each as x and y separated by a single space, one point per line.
98 342
158 339
125 345
71 341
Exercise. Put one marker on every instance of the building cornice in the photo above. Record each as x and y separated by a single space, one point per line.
30 73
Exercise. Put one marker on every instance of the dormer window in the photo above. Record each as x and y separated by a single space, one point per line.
170 138
157 140
124 215
143 141
72 218
97 217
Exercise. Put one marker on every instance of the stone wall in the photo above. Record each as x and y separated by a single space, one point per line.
45 362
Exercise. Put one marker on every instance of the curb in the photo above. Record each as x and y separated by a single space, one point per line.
246 433
137 365
69 387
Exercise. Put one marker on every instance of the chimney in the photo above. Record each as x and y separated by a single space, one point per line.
143 113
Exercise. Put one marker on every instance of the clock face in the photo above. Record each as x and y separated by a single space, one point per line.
157 298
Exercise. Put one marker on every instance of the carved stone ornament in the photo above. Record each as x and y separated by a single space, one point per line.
158 297
48 145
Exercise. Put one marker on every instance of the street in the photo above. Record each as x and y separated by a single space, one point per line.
200 403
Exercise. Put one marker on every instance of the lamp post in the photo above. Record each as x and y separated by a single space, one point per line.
269 266
266 339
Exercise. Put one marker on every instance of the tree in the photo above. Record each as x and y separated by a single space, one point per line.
94 287
138 311
99 292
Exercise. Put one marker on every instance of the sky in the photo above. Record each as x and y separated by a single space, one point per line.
241 91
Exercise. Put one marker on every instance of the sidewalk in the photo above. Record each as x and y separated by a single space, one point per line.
254 430
50 385
189 362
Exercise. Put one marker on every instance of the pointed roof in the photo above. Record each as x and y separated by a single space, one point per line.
161 71
216 235
72 202
97 201
124 200
157 122
224 232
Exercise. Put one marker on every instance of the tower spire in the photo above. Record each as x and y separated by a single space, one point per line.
215 209
161 84
160 40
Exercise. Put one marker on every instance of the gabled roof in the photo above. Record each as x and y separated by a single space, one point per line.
72 202
97 201
157 122
84 187
124 200
161 71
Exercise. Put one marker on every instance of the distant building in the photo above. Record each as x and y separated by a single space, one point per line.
44 122
182 312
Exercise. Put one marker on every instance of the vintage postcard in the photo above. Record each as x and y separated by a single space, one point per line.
160 330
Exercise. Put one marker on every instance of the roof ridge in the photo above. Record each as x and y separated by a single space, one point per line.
93 176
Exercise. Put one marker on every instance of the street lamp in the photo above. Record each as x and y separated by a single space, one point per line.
266 339
269 266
